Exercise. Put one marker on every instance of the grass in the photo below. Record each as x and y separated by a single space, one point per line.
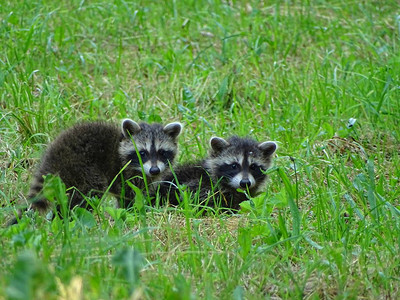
328 223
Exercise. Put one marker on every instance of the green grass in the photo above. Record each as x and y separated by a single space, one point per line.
327 225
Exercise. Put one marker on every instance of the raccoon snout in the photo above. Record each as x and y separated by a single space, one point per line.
245 183
242 181
154 170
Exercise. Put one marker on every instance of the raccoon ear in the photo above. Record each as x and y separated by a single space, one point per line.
268 148
218 144
129 128
173 129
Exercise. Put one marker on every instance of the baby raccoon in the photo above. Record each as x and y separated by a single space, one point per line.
89 157
236 163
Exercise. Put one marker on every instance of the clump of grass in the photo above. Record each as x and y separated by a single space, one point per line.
327 224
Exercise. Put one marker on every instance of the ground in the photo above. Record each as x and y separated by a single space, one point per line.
319 77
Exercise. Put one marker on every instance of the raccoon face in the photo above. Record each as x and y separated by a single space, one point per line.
155 144
240 162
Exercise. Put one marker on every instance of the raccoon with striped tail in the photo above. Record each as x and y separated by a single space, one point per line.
89 158
236 163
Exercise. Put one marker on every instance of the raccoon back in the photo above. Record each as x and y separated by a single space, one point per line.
192 175
84 156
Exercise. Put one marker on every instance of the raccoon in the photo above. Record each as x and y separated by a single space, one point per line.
90 156
236 163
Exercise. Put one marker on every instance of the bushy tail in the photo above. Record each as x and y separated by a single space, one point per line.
36 200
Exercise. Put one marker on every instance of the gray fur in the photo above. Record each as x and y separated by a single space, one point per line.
216 178
89 157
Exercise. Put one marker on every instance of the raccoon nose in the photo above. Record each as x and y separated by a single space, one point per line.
245 183
154 170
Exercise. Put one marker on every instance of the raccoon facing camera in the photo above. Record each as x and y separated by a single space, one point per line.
89 158
233 169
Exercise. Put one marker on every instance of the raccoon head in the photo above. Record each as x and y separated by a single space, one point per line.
155 144
240 162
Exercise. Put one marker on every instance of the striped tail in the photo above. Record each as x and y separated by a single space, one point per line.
38 202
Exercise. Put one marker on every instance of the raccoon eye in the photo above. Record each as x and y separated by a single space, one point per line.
142 152
234 166
254 167
165 153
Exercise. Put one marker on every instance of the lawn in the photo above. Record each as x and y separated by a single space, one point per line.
322 78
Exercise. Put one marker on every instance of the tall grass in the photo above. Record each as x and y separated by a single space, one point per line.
326 225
